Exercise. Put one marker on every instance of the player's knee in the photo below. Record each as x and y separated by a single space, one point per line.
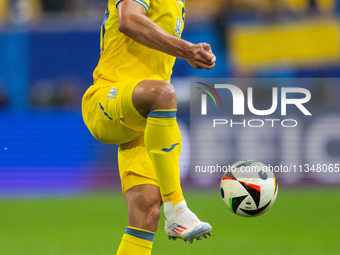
152 95
162 96
164 92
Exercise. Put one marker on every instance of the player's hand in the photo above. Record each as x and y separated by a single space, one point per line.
200 56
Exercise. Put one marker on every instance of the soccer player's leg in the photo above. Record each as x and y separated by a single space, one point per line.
102 113
156 101
143 205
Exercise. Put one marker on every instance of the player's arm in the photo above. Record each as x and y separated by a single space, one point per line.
134 23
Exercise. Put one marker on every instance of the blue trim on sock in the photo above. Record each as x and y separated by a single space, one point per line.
140 234
163 114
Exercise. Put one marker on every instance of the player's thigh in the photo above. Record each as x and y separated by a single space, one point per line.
135 166
105 108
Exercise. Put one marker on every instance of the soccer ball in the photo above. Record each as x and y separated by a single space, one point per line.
249 188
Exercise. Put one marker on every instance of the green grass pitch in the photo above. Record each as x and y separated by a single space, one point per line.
302 221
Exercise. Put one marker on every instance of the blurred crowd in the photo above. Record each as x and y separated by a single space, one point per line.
248 10
30 11
221 13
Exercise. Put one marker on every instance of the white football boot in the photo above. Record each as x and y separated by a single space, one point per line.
181 223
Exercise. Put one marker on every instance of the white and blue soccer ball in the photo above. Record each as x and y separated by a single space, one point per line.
249 188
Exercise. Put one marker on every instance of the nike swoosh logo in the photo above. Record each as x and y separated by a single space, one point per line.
171 148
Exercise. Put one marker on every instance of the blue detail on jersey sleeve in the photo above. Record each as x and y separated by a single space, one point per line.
145 5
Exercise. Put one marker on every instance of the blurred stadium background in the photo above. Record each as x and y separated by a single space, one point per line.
59 187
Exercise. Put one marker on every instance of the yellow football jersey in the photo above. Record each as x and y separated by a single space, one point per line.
123 58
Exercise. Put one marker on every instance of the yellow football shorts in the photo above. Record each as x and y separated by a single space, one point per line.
111 117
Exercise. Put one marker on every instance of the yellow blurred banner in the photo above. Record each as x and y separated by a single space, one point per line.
306 43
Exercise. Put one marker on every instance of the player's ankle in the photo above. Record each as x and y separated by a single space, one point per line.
170 209
175 197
